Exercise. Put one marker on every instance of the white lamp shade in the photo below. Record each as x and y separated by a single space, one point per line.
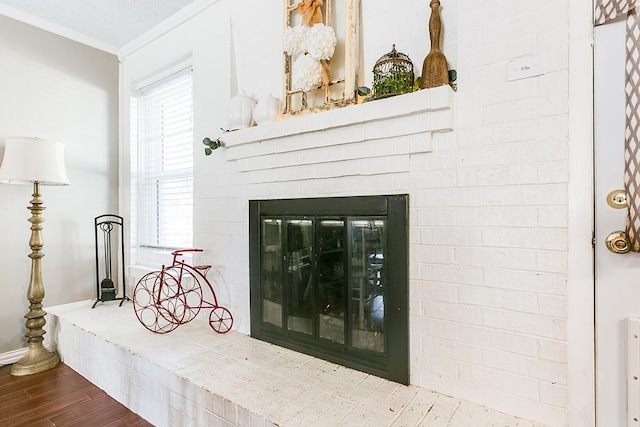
29 160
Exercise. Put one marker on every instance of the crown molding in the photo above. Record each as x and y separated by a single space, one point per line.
56 29
178 18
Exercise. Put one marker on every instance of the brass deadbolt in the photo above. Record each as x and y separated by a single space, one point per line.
617 199
618 243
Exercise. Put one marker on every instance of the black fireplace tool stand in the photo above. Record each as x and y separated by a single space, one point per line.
109 239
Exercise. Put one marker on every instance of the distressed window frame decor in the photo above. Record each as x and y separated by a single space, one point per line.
298 101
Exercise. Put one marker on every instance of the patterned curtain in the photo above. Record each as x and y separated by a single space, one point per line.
607 10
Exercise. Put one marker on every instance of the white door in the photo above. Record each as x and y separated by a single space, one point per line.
617 287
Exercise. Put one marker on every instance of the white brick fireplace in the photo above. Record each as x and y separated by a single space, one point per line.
491 202
369 148
403 145
462 333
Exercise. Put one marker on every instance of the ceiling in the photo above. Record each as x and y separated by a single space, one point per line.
105 24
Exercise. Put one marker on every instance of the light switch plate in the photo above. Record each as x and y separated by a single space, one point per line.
525 67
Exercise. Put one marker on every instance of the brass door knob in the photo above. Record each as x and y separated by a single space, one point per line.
617 242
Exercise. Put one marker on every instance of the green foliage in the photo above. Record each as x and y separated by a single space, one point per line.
453 77
417 85
390 84
395 81
363 91
211 145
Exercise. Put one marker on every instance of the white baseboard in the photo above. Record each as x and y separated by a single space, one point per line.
12 356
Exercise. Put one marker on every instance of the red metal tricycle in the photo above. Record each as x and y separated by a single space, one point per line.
166 299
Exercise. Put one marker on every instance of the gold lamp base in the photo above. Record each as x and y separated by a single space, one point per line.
37 359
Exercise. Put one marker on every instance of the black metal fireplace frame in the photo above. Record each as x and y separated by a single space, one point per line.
394 363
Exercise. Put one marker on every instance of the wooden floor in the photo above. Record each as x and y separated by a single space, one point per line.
59 397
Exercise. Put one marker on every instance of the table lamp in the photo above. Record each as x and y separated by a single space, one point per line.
39 162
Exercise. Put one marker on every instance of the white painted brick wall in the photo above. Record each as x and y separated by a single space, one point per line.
511 150
488 201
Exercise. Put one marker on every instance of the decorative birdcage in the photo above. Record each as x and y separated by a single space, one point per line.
392 75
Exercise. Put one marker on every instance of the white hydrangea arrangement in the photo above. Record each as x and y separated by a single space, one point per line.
308 46
306 73
321 42
293 40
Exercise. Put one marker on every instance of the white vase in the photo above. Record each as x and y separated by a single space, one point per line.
267 110
240 112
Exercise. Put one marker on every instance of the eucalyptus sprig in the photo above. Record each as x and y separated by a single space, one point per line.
213 144
366 92
453 79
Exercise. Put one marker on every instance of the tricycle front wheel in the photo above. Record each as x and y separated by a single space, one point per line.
220 320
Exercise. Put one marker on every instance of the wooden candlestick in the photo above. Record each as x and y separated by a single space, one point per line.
435 71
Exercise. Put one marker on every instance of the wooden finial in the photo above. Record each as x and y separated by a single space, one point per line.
435 71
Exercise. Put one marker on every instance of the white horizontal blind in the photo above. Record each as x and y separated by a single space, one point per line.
165 162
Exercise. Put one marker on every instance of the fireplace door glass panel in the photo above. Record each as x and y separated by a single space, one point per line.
299 291
367 284
331 289
271 271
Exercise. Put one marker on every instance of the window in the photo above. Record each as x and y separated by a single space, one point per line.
329 278
164 191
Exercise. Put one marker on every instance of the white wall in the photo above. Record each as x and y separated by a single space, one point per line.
56 89
490 211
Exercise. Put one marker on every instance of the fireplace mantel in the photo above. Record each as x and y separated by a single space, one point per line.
399 125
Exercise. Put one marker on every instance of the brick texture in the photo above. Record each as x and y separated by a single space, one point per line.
488 200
